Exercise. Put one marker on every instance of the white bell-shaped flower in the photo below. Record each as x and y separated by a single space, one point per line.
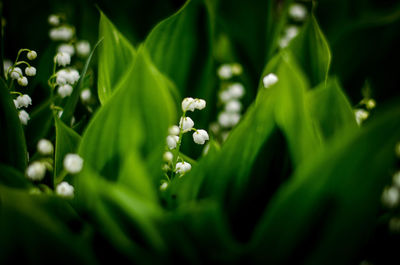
182 167
54 20
360 115
269 80
86 94
228 119
73 163
30 71
45 147
65 190
23 81
199 103
67 48
23 101
31 55
63 59
225 71
298 12
168 156
83 48
236 90
65 90
172 141
188 104
174 130
23 117
186 123
200 136
16 73
233 106
36 171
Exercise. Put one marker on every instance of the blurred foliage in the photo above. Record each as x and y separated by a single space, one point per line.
296 182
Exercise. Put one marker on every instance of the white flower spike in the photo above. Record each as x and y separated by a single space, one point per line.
65 90
182 167
186 123
65 190
172 141
23 101
36 171
45 147
270 80
200 136
73 163
30 71
23 117
62 59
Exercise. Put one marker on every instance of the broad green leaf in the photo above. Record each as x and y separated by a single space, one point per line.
12 139
67 141
330 110
312 52
115 58
11 177
133 121
73 99
329 206
180 47
42 222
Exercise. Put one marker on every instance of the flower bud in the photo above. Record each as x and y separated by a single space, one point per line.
65 190
73 163
23 117
36 171
31 55
83 48
172 141
225 71
30 71
65 90
174 130
200 136
270 80
45 147
23 81
168 156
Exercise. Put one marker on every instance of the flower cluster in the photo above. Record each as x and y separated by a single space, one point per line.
14 72
363 108
174 161
298 13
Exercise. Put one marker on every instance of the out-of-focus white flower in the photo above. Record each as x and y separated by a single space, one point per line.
225 71
30 71
236 69
186 123
31 55
54 20
168 156
291 31
22 101
164 186
360 115
67 48
73 163
228 119
83 48
236 90
65 190
270 80
182 167
65 90
394 224
390 196
188 104
36 171
63 59
199 103
233 106
45 147
23 117
371 103
23 81
16 73
200 136
86 94
172 141
63 33
7 64
298 12
225 96
173 130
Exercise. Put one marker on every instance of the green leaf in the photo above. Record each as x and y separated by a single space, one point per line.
70 106
115 58
330 110
12 140
334 194
11 177
179 51
133 121
67 141
311 50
